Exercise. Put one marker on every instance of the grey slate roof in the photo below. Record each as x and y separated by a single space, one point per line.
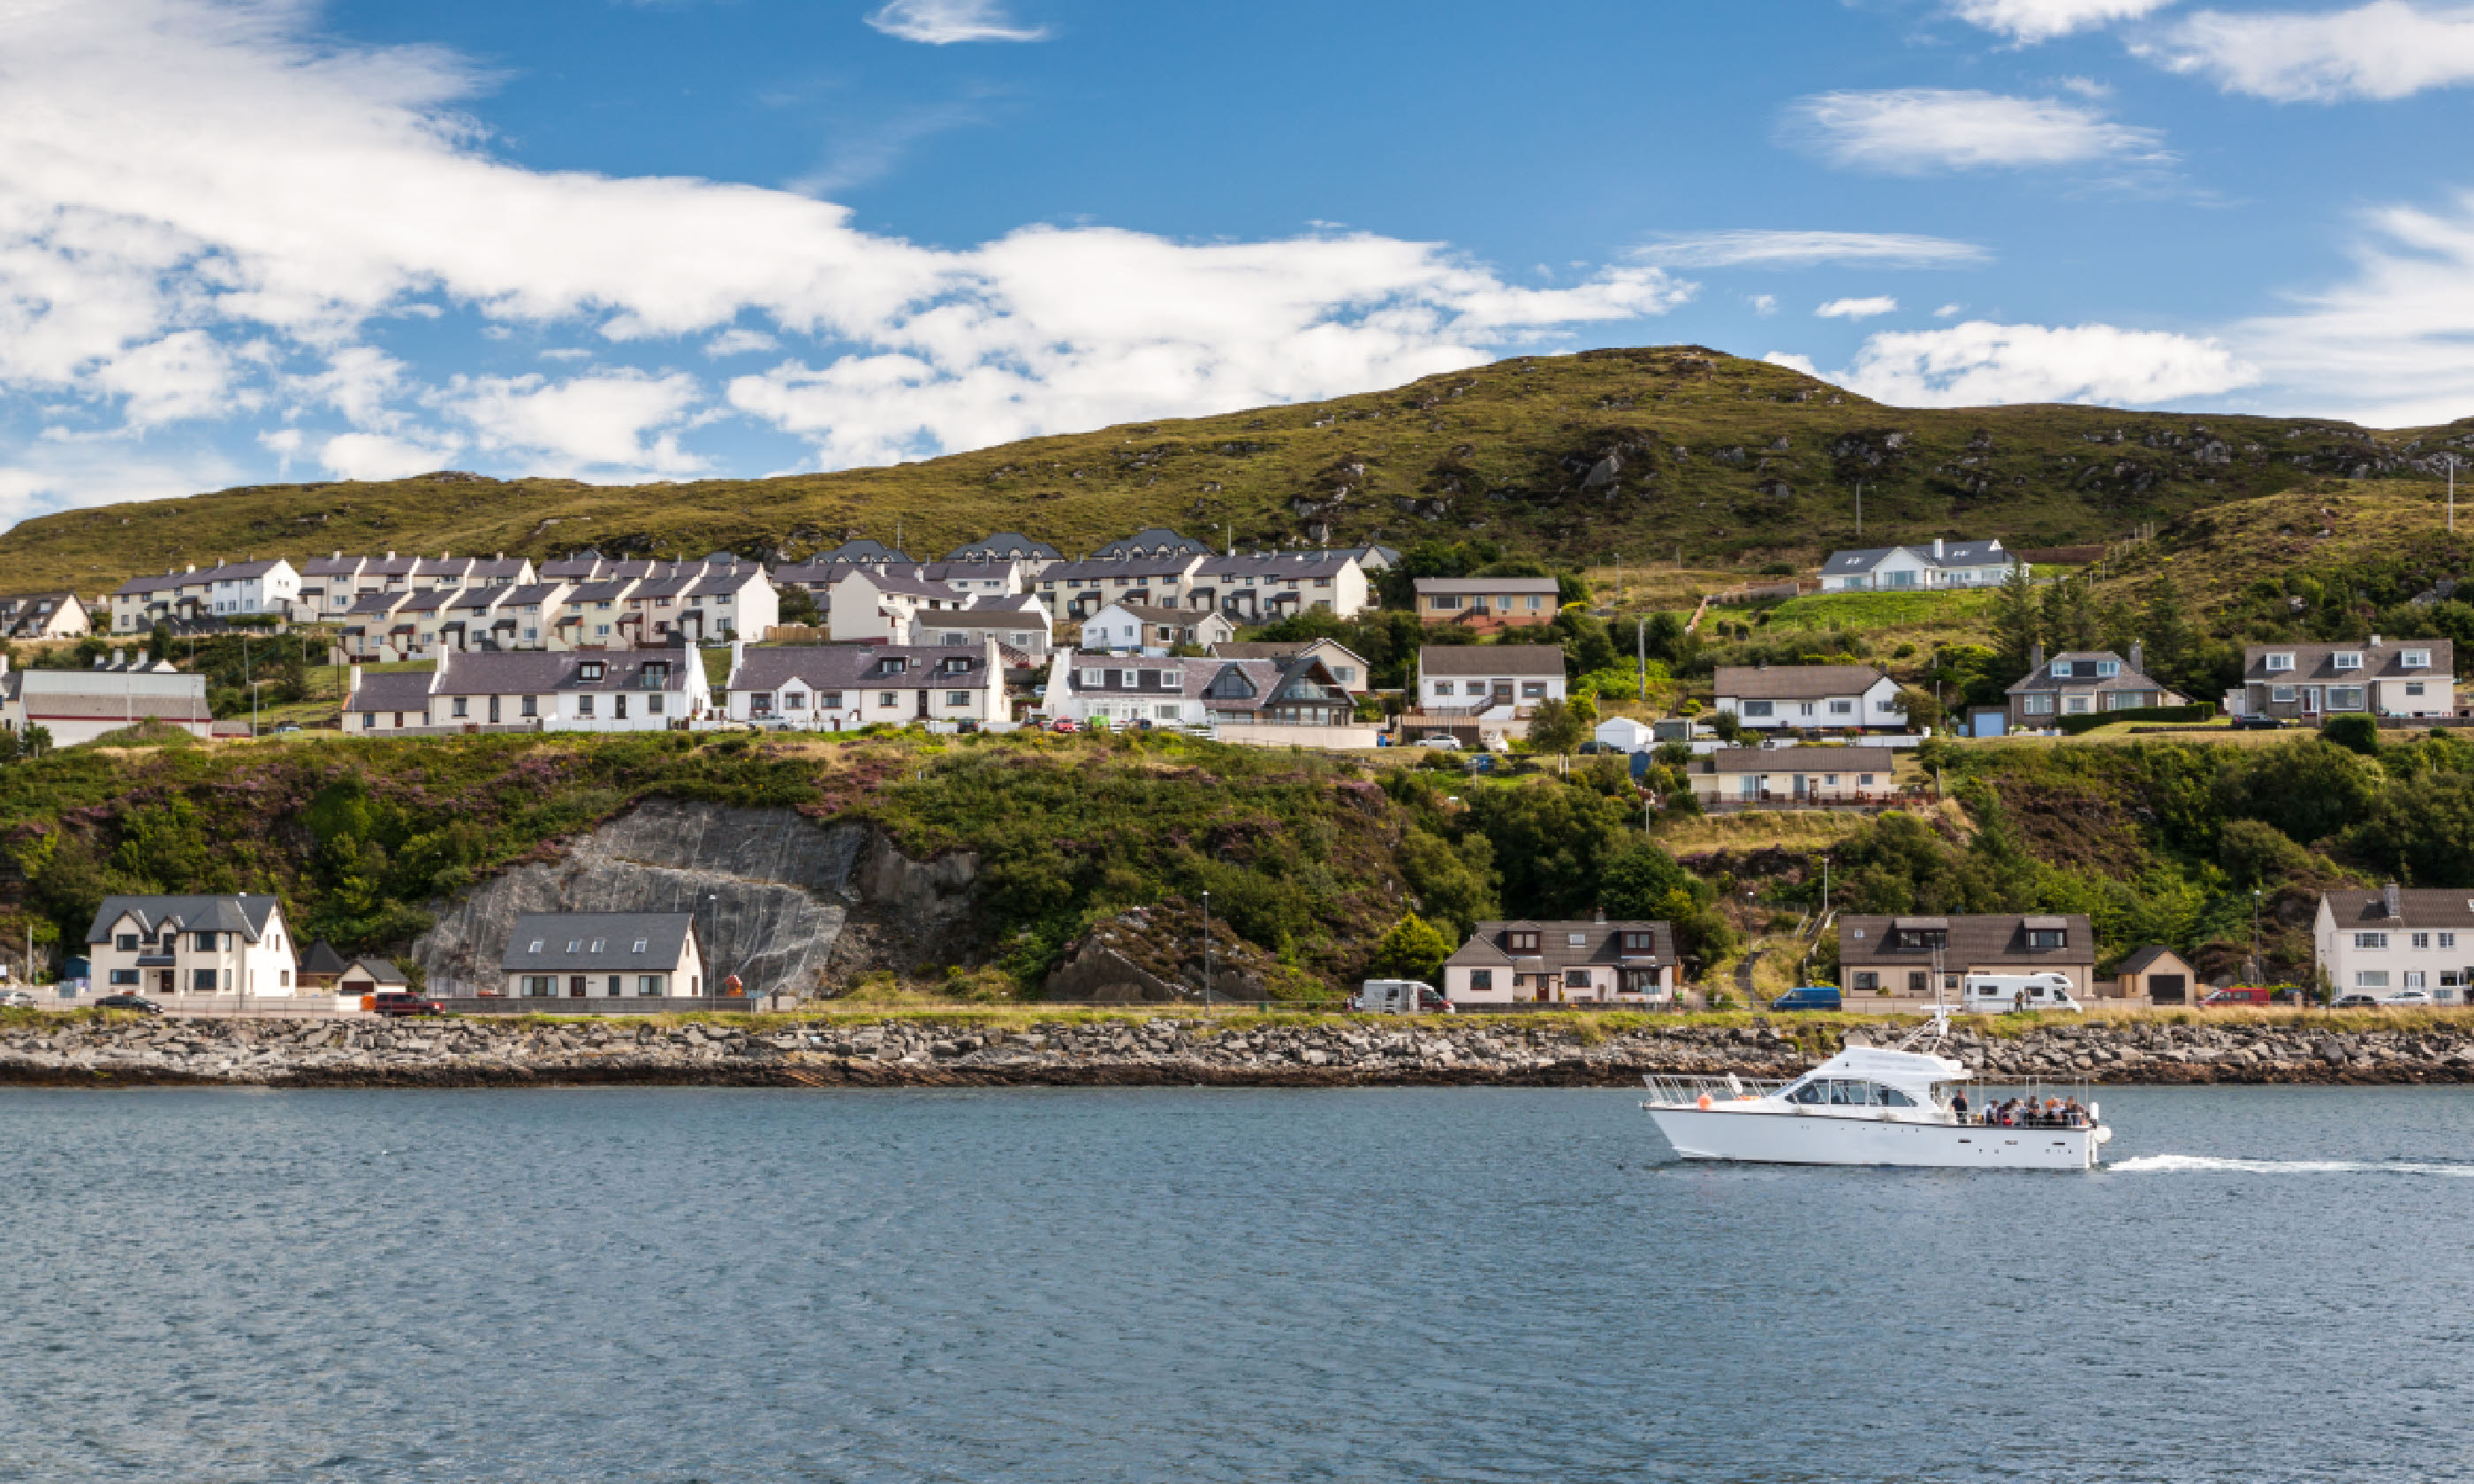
663 934
403 690
379 970
1490 660
1191 677
861 667
246 916
1153 613
1154 540
1002 545
322 959
1467 585
225 572
2143 959
1795 682
1737 761
2316 664
1842 563
2083 676
2416 907
1992 938
1601 946
525 672
1111 569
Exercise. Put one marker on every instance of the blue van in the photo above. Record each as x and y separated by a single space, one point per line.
1808 998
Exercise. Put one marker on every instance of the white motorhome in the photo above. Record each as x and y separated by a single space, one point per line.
1400 997
1996 994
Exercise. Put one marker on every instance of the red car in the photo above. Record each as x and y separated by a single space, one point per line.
2242 995
395 1002
1063 724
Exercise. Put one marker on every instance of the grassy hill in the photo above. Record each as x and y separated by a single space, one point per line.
1642 452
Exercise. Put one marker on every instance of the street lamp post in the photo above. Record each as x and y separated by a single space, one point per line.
2255 965
1207 951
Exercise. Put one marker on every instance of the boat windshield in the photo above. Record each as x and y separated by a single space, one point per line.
1849 1092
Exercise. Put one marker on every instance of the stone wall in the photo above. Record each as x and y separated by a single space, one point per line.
1139 1049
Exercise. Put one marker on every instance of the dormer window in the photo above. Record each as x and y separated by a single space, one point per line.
2413 659
2060 669
1522 942
2107 669
1576 940
2279 662
2346 659
2046 936
590 670
1640 943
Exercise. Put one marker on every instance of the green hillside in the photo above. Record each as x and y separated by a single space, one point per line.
1577 457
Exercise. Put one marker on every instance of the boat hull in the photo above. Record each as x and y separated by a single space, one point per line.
1806 1139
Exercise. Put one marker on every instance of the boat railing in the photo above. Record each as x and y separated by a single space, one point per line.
2030 1101
1688 1091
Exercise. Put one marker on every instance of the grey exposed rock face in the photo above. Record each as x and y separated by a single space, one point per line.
775 895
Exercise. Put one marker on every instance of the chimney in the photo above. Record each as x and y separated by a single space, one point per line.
2394 900
2138 658
1602 914
1936 548
390 556
193 566
2036 656
2375 641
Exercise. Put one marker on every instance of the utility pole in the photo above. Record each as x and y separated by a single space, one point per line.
1207 951
1860 510
2452 494
1641 654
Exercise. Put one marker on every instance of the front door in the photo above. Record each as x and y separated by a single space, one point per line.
164 981
575 986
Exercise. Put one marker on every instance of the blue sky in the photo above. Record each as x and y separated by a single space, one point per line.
640 239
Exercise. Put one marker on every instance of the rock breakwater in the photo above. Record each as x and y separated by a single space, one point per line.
1012 1049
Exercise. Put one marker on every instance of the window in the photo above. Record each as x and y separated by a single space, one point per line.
1867 979
591 669
1533 690
2448 940
1863 780
2278 663
2371 979
2037 705
1522 942
1640 943
652 984
368 721
584 706
2413 979
540 985
1092 678
1576 978
831 700
2283 695
576 945
1167 713
2422 940
124 976
2059 669
202 981
2414 660
1447 600
887 698
537 945
1918 982
2414 687
531 706
1806 708
2345 698
2107 669
457 706
2346 659
494 709
205 942
1842 708
1481 978
127 943
1757 709
1830 780
2076 706
1442 687
2046 936
2370 940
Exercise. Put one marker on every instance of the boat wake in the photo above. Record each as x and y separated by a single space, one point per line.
2151 1163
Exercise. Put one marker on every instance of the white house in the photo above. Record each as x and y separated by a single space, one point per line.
1627 734
1345 664
1941 564
1750 776
2396 939
158 945
641 690
80 705
1018 623
838 687
1267 587
226 589
1845 697
44 616
1564 963
1118 691
1487 680
1123 628
875 606
593 955
1075 590
2404 678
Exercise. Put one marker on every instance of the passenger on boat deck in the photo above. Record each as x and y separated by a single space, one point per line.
1958 1106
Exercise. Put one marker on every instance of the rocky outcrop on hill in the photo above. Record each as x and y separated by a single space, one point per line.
1158 1049
787 904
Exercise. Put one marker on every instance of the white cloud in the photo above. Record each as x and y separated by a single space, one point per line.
378 456
203 203
283 441
2387 49
1946 311
738 339
1980 363
1754 248
1764 303
2387 345
1857 308
1914 130
940 22
2028 22
605 422
1791 361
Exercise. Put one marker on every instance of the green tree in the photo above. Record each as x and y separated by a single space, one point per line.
1587 647
2018 623
797 606
1555 727
1551 844
1411 950
2309 788
1918 705
2257 853
2165 626
2355 732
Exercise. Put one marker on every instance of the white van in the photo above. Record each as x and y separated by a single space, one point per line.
1996 994
1400 997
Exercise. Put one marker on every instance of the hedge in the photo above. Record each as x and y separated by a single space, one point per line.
2195 711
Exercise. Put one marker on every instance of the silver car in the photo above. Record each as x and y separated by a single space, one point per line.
17 999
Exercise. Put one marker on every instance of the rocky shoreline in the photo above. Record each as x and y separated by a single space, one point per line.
1158 1050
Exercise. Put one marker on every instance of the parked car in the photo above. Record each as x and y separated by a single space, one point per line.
287 727
137 1002
2356 1001
1594 746
1441 742
2259 723
397 1002
1809 997
2406 999
2242 995
1063 724
15 999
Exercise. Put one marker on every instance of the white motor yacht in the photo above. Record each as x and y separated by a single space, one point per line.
1876 1106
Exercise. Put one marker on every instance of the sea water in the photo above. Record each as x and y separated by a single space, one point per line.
681 1285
